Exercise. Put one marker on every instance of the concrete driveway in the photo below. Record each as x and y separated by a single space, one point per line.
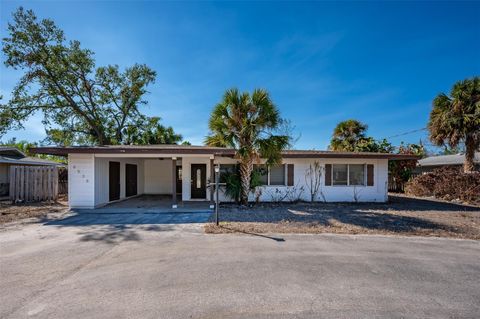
144 267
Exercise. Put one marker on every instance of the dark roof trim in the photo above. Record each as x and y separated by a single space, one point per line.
205 150
363 155
64 151
29 162
11 151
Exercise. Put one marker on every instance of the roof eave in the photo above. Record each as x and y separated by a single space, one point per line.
393 157
91 150
64 151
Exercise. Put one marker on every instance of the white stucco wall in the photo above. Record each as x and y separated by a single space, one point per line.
158 176
375 193
88 179
81 180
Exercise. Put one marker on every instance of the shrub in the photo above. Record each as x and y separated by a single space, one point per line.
233 187
447 183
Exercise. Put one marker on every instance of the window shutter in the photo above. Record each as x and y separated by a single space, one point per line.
370 175
328 174
290 175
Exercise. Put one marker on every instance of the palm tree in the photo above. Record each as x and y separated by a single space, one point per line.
455 118
347 134
248 124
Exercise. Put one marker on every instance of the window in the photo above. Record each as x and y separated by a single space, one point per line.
274 175
348 174
199 178
356 176
340 173
227 169
277 175
263 173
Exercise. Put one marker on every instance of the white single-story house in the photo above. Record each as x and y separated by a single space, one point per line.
99 175
11 156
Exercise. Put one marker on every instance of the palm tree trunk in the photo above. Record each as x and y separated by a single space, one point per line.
469 165
246 168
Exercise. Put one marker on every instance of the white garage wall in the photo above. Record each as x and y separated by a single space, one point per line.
81 181
102 177
158 176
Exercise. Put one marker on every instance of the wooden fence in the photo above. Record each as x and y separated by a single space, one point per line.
33 183
62 180
395 186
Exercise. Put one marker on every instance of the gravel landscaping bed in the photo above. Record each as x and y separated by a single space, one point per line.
10 213
401 216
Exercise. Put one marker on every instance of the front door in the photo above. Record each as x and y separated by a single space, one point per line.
199 181
130 180
114 180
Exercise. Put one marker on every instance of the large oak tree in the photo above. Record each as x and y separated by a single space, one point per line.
81 103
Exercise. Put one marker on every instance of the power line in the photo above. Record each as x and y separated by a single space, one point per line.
409 132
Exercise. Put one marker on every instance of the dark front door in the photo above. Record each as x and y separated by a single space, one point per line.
179 179
114 180
130 180
199 181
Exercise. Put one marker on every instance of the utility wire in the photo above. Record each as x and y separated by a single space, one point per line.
406 133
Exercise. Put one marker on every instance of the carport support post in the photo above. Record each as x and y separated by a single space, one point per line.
217 173
174 182
212 180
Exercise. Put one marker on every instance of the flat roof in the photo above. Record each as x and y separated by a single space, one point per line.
28 161
11 151
217 151
440 160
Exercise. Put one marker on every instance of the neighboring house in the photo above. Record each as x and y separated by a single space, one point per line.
103 174
430 163
12 156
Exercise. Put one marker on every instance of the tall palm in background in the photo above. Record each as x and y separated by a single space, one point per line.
347 134
248 123
455 118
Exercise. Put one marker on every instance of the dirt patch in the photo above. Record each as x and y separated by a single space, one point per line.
10 213
401 216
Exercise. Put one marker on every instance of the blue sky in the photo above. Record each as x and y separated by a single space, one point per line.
322 62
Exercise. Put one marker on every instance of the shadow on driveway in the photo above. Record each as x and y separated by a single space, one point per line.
115 227
91 219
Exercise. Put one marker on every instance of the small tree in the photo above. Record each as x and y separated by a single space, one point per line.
313 180
248 123
455 118
401 170
347 134
233 184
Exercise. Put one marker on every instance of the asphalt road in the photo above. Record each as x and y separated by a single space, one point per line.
165 270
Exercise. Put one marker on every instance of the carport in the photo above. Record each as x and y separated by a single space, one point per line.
155 204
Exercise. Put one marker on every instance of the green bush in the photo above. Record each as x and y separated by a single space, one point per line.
233 187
